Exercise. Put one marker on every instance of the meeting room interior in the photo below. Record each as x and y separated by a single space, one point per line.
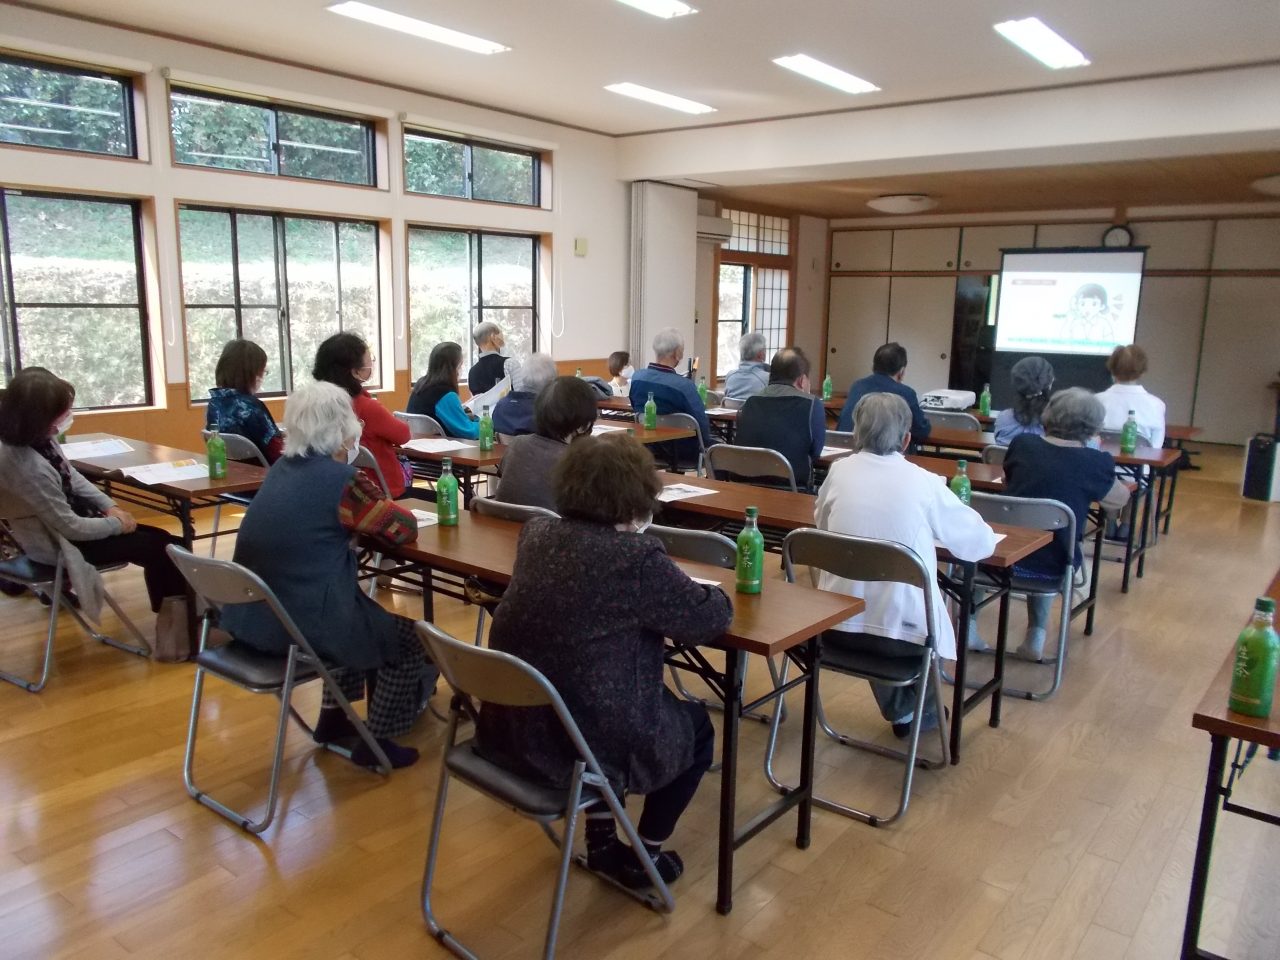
617 479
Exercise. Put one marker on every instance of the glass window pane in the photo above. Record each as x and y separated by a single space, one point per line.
730 318
67 111
434 166
208 330
67 250
206 257
506 270
324 148
98 349
358 249
312 269
262 326
501 175
256 248
439 293
517 326
220 133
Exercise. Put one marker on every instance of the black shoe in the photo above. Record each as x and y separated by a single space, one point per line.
634 876
333 726
11 589
399 756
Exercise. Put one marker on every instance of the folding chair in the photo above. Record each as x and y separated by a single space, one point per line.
479 592
715 398
503 680
870 561
953 420
47 581
750 465
420 424
685 421
994 453
219 583
238 448
840 438
366 460
733 403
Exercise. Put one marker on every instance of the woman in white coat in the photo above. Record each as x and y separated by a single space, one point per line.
878 493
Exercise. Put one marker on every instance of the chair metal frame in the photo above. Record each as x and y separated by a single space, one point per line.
733 403
994 453
420 424
687 422
751 462
953 420
872 561
222 582
490 676
840 438
238 448
366 460
515 512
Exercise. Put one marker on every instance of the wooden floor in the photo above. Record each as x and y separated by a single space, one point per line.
1066 833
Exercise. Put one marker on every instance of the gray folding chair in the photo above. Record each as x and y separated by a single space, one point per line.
715 398
503 680
733 403
685 421
242 449
870 561
478 592
750 465
365 459
840 438
48 581
420 424
1050 515
953 420
220 583
994 453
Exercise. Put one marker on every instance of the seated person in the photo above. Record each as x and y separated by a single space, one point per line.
564 411
785 416
52 508
488 368
590 601
1126 366
296 535
436 393
752 374
888 367
878 493
1060 466
345 360
513 414
672 393
233 406
1032 379
621 371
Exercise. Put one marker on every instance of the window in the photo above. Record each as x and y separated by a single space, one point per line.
445 167
210 130
285 282
751 298
47 105
73 295
459 278
758 233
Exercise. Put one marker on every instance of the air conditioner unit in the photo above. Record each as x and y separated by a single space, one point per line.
715 229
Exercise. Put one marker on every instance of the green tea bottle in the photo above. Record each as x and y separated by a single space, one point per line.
961 486
216 449
1253 679
702 390
984 401
650 413
1129 436
750 555
827 387
486 430
447 495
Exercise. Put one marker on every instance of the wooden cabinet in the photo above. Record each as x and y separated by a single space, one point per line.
921 318
1247 245
930 248
980 247
1175 244
868 250
857 323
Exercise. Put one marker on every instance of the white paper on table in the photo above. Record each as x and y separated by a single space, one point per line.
425 518
88 449
719 411
151 473
709 583
682 491
834 451
436 445
600 428
489 398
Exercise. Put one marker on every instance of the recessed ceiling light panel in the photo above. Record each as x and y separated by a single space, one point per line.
367 13
668 100
661 8
807 66
1035 38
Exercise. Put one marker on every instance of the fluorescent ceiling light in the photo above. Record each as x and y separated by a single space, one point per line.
668 100
661 8
807 66
1042 43
414 27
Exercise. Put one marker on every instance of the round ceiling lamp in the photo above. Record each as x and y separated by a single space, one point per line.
1268 185
903 203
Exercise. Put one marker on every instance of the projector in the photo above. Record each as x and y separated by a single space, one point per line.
948 400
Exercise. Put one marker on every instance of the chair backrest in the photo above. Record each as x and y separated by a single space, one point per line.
364 459
953 420
733 403
700 546
682 420
840 438
1038 514
994 453
715 398
239 448
420 424
1113 436
749 462
519 512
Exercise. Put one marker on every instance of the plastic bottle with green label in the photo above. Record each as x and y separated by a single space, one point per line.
650 413
828 389
447 495
486 430
1129 436
750 566
984 401
702 390
961 485
216 450
1253 676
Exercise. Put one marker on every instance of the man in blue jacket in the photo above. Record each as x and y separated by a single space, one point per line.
672 392
887 368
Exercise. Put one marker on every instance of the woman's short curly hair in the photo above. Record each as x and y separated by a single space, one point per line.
610 479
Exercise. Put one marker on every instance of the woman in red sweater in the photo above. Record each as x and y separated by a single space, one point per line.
344 359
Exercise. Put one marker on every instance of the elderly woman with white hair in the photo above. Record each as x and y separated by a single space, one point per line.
878 493
513 414
296 536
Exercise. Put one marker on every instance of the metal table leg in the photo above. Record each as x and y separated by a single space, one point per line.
805 819
1128 544
1204 848
729 779
962 657
1147 501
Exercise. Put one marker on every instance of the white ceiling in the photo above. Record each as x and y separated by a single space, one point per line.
564 51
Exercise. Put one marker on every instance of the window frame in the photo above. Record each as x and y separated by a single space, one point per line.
468 147
128 94
753 261
9 305
274 108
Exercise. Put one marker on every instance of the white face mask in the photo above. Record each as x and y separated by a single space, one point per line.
627 372
352 453
63 425
640 526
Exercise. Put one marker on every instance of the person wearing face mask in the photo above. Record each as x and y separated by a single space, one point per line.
345 361
564 410
488 369
621 370
233 406
296 535
589 603
51 508
436 393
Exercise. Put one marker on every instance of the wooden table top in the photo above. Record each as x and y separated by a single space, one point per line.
614 403
472 457
1180 431
782 616
241 477
969 440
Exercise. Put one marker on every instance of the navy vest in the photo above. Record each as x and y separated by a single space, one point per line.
784 424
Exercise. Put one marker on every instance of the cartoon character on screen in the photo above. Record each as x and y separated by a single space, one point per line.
1092 315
